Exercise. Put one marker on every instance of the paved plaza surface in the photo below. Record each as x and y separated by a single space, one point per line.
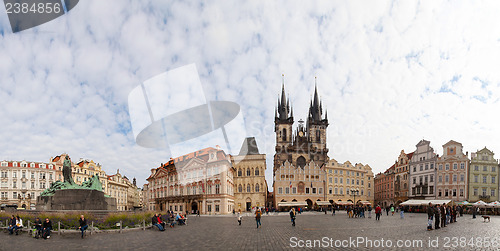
276 233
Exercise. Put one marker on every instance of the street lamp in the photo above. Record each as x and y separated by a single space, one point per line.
354 192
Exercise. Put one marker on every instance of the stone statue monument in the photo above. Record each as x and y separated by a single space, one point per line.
67 171
68 195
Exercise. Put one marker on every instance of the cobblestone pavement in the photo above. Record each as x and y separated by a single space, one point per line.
276 233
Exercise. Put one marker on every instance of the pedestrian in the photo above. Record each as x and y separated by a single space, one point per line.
474 211
369 211
448 213
239 219
333 210
443 215
83 224
258 214
401 212
392 210
378 212
437 213
198 212
387 210
47 227
430 215
292 216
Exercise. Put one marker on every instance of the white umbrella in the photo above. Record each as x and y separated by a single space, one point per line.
494 204
480 204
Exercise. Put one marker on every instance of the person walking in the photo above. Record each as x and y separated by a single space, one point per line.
437 213
430 215
392 210
333 210
474 211
387 210
258 214
378 212
83 224
401 212
292 216
369 211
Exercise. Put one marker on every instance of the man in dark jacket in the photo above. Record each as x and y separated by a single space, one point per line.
437 214
443 215
38 227
83 224
430 215
156 223
12 225
46 226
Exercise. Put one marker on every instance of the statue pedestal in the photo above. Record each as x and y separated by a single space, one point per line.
76 199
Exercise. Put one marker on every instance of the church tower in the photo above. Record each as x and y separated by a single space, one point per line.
308 142
283 122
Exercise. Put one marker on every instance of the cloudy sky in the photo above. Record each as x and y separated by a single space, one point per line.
389 73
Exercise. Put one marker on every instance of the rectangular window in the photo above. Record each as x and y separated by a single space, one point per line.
432 165
24 174
431 178
426 166
462 177
209 208
314 190
336 180
484 191
493 169
461 192
14 195
294 190
341 181
476 178
14 184
431 190
454 178
455 166
335 172
330 180
216 208
32 174
23 185
439 193
492 192
476 168
447 166
484 178
307 190
280 190
287 190
446 192
475 191
493 178
454 192
462 166
32 185
320 190
440 166
485 169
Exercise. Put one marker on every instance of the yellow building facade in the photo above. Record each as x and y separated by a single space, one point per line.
348 183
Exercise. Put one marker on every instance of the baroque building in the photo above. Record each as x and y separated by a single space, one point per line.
349 184
452 173
401 176
384 187
22 181
250 180
423 172
483 176
201 180
299 161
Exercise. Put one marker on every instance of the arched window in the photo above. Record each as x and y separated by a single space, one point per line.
248 188
239 172
301 162
257 188
248 171
257 171
240 189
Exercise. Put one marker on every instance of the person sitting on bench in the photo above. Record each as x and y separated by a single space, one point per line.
180 219
156 221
